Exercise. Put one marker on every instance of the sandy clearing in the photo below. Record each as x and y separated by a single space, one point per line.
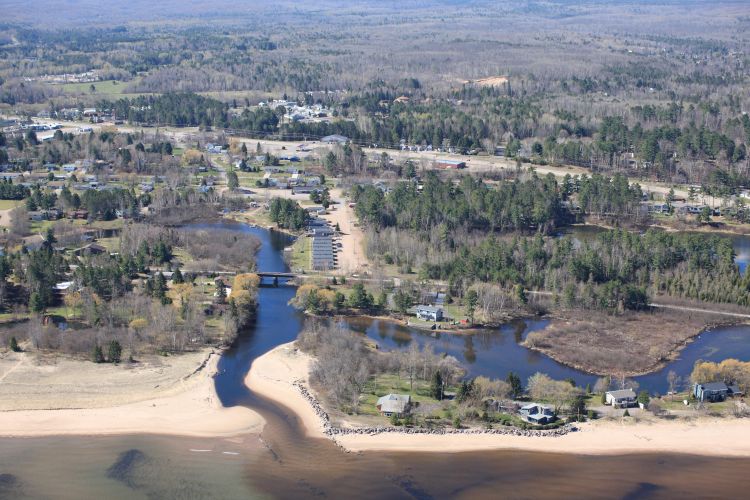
273 374
492 81
186 407
5 217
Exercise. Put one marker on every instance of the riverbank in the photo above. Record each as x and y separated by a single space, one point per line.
274 375
70 397
277 374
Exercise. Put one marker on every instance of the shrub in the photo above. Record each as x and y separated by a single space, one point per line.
114 352
97 355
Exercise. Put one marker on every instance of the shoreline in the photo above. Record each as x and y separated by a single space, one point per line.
192 409
282 374
600 437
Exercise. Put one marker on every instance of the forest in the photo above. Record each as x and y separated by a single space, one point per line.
468 233
670 107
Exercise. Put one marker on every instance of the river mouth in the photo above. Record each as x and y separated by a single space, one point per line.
282 462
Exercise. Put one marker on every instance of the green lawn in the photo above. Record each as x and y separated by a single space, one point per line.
389 383
103 89
300 254
8 204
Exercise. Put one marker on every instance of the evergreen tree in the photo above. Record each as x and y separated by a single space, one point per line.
177 277
14 345
644 398
516 389
402 300
436 386
233 181
472 299
114 352
97 355
36 302
382 301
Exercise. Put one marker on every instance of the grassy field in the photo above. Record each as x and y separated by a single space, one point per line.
299 257
105 89
8 204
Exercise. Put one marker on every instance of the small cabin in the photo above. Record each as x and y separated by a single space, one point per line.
394 404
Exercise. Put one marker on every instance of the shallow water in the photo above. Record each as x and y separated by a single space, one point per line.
283 463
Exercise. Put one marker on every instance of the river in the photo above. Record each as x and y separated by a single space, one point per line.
283 463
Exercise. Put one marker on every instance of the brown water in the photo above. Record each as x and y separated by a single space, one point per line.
283 463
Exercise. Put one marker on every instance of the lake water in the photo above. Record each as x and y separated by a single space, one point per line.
283 463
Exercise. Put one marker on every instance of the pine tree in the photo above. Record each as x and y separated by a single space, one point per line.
114 351
516 389
14 345
97 355
177 277
436 386
472 299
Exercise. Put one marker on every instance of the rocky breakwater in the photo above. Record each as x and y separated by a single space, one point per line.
332 431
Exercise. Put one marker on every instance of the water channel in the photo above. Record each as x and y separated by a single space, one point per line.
283 463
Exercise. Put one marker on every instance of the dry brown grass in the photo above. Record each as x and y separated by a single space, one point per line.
624 345
492 81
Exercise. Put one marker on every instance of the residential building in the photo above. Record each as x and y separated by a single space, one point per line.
429 313
394 404
715 391
334 139
623 398
535 413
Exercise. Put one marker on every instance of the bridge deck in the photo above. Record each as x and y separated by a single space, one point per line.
271 274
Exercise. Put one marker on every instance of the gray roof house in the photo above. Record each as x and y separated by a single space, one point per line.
537 414
715 391
429 313
334 139
621 398
394 404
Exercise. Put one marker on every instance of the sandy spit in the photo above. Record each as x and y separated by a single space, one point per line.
189 406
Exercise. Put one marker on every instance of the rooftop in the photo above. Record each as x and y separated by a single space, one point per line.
622 393
394 403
